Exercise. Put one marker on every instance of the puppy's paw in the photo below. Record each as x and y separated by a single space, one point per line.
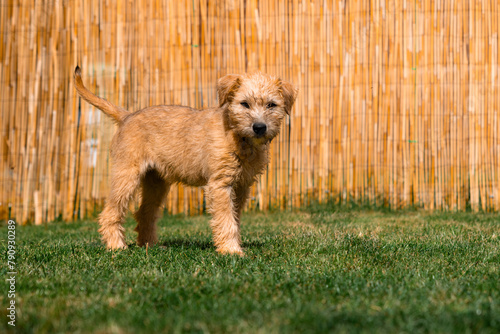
231 251
115 243
116 246
113 236
150 242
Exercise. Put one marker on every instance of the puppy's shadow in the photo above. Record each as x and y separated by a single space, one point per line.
253 244
187 243
203 245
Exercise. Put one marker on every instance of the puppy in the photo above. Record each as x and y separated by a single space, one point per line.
222 149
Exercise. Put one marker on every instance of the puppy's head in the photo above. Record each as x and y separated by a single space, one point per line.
255 104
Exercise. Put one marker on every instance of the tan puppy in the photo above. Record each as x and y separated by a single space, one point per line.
222 149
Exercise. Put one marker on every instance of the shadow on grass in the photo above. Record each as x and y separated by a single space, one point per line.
204 245
187 243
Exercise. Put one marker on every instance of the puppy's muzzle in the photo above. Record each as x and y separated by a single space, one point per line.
259 129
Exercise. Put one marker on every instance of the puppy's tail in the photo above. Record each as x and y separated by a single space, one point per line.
115 112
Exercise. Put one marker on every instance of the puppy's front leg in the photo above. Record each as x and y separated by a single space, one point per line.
225 225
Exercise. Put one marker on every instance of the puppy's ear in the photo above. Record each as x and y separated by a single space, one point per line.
226 87
289 93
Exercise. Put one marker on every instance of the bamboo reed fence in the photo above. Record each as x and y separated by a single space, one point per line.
398 103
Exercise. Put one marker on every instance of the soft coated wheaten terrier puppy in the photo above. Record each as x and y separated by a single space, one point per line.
222 149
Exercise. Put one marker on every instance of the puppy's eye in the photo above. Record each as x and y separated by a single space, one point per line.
245 104
271 105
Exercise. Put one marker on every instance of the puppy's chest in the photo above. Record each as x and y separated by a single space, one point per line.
251 166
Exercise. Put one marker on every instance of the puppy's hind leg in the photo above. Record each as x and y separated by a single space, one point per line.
154 191
124 182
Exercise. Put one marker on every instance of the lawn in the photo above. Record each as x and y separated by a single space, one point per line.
322 269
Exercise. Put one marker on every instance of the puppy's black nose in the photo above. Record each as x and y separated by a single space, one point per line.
259 128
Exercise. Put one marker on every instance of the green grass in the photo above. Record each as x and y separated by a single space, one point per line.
320 270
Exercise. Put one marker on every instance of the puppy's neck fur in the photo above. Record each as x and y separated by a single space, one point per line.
247 151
